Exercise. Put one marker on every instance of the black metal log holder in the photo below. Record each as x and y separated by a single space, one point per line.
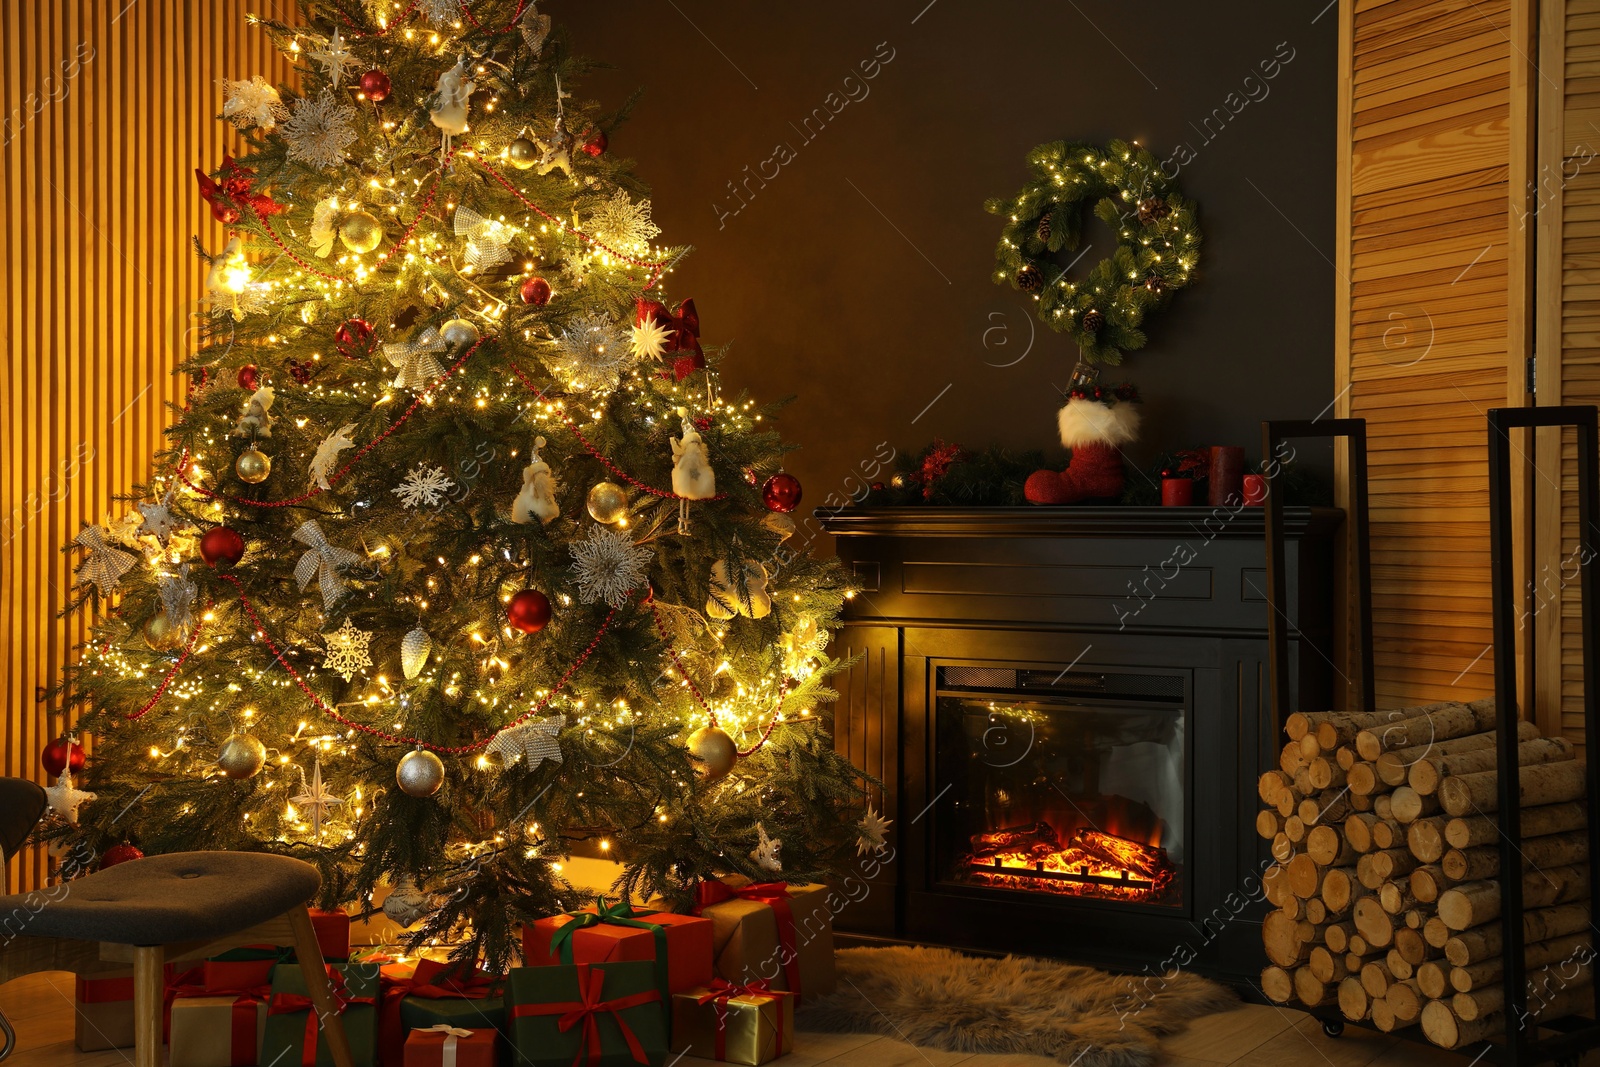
1571 1037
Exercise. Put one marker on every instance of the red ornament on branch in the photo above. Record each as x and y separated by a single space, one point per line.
375 86
535 292
354 337
528 611
60 755
222 546
595 143
120 854
249 377
781 492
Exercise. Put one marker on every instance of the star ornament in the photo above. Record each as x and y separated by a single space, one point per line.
872 832
315 799
65 799
347 650
650 339
334 57
531 744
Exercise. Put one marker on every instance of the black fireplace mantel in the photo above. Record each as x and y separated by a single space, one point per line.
1175 591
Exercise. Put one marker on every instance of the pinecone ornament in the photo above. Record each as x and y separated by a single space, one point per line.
1029 280
1152 209
1154 285
1093 320
1044 227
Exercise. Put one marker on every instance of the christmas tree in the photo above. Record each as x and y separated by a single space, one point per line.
459 558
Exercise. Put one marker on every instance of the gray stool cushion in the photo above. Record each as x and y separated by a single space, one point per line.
160 900
21 806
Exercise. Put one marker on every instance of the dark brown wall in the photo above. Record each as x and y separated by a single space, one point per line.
858 276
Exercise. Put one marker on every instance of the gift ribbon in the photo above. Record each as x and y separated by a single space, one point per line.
104 990
425 981
452 1039
776 896
289 1003
619 914
719 992
583 1011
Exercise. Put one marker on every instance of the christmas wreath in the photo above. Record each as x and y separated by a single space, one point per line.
1158 242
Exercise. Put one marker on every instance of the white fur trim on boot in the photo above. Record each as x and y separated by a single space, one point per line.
1087 422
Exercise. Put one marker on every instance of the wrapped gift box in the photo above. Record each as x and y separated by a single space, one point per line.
736 1024
769 931
333 933
242 968
614 933
444 1045
224 1031
427 993
292 1020
104 1011
617 1016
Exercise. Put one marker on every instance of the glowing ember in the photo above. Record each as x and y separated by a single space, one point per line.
1091 864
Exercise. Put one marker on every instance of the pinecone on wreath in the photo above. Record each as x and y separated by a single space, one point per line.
1152 209
1093 320
1044 227
1029 280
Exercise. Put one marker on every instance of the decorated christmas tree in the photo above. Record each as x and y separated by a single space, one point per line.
460 558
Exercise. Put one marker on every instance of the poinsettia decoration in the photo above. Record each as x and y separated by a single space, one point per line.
233 189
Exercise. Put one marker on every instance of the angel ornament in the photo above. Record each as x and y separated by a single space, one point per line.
538 497
448 105
692 476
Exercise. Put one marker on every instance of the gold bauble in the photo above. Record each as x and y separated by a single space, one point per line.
459 334
160 634
522 153
712 752
361 231
252 466
242 756
607 502
420 773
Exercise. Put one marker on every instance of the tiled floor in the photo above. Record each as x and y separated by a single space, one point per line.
40 1007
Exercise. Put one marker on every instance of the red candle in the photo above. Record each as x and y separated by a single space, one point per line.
1177 492
1255 490
1226 480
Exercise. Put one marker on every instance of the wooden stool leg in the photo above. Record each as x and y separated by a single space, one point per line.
149 990
309 953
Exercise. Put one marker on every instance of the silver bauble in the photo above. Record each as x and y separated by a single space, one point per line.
607 502
252 466
242 756
522 153
712 752
459 334
406 904
361 231
420 773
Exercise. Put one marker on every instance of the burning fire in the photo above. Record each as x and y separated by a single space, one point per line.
1091 864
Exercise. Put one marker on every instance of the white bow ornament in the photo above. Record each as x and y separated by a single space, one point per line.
322 561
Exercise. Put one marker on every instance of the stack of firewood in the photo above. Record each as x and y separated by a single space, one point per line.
1386 881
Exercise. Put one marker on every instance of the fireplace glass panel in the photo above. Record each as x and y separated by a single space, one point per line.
1069 783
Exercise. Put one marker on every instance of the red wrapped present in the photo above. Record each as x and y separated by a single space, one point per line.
333 933
443 1045
104 1015
242 968
680 945
218 1031
429 980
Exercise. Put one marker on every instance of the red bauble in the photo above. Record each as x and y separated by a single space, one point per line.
222 546
249 377
375 84
528 611
60 755
354 337
535 291
781 493
119 854
596 143
226 214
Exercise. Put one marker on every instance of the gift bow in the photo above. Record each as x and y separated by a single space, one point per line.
414 359
424 982
289 1003
584 1011
452 1038
619 914
105 565
720 991
773 894
682 324
322 561
486 238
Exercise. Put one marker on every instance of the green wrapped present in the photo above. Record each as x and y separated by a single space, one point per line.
293 1036
588 1015
417 1013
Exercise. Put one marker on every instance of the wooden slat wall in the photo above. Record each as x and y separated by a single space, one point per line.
109 106
1434 118
1569 334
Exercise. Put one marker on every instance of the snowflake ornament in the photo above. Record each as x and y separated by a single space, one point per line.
765 854
621 223
320 131
650 339
158 520
347 650
531 744
872 832
609 566
253 103
591 353
328 454
424 485
334 57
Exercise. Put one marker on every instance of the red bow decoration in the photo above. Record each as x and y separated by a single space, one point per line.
683 334
591 980
426 981
776 896
719 992
234 189
289 1003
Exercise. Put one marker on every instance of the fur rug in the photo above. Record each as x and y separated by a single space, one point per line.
941 999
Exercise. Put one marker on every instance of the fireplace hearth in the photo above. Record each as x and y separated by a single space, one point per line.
1069 726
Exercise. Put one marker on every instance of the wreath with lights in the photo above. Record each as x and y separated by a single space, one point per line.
1158 242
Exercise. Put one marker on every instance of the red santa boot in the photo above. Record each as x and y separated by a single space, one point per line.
1094 429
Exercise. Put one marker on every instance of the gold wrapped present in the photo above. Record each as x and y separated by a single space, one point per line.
736 1024
772 932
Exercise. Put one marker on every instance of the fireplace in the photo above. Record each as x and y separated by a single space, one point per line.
1067 708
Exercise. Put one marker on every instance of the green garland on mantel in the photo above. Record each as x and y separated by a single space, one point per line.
1158 242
